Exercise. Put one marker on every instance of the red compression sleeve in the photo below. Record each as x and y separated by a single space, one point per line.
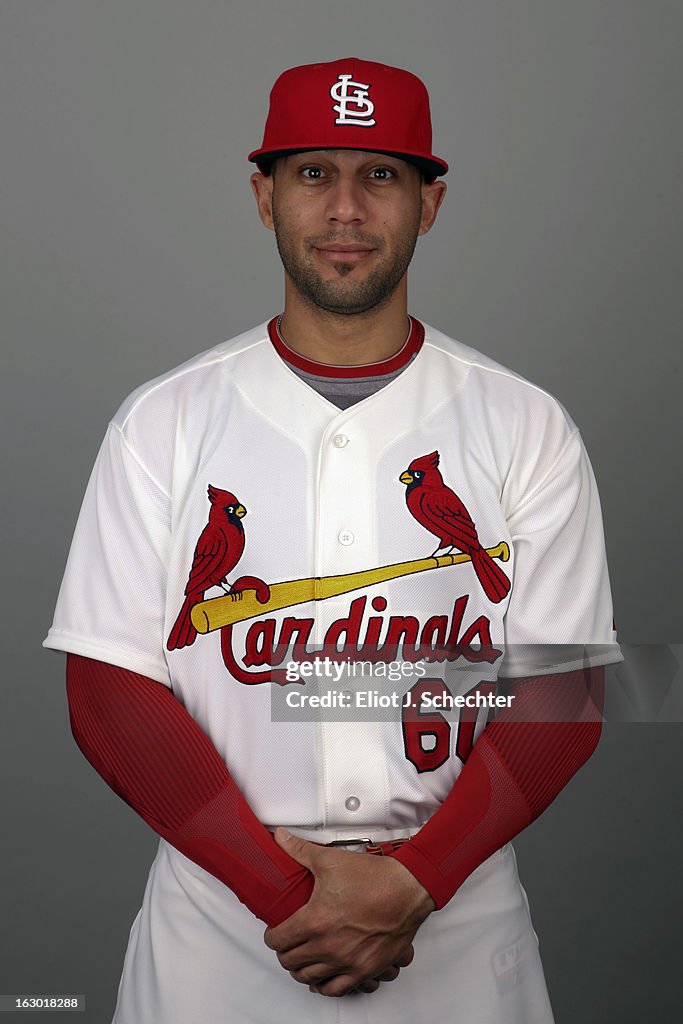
517 767
151 752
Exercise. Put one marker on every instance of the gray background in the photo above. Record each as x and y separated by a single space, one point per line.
130 241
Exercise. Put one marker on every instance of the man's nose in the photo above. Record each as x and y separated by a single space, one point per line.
346 201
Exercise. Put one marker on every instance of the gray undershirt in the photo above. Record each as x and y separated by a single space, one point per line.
346 391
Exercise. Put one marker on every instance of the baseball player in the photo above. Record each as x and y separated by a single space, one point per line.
343 485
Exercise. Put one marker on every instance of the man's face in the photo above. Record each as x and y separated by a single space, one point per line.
346 223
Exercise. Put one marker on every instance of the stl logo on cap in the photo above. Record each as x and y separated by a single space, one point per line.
353 106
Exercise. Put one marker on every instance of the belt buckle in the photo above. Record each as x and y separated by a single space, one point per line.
370 846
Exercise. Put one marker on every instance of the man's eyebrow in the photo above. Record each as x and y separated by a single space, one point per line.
373 160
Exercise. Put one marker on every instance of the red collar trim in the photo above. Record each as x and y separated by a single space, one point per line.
411 347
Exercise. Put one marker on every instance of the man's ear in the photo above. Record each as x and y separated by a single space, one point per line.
262 187
432 197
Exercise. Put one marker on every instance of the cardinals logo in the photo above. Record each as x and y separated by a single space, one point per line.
218 551
440 510
221 545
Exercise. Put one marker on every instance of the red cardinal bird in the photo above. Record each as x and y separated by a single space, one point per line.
440 510
218 550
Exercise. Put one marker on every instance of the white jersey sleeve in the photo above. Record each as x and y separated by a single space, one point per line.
560 613
112 599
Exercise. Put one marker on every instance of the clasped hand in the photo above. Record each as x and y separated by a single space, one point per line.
358 926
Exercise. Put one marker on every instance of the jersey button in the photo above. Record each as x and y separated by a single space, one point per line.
352 803
340 440
346 538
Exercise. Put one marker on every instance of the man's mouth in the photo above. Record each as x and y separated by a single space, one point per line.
339 253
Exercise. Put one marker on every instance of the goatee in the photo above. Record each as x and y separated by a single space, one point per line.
341 295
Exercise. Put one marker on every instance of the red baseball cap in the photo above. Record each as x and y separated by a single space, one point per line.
349 104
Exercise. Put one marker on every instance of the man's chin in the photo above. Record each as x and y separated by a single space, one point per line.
345 305
345 290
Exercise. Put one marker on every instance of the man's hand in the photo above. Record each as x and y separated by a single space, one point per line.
358 926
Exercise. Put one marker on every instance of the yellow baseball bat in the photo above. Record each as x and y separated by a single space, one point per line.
224 611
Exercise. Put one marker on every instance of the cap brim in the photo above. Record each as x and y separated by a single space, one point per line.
431 165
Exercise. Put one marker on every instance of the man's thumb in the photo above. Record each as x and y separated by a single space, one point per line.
300 850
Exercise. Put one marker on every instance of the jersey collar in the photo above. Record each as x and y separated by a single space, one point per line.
410 347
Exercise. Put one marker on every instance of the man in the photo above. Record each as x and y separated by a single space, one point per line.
340 484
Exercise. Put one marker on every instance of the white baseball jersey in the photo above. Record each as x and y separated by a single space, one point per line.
324 500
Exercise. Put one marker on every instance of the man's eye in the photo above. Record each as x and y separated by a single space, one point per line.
312 173
382 173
